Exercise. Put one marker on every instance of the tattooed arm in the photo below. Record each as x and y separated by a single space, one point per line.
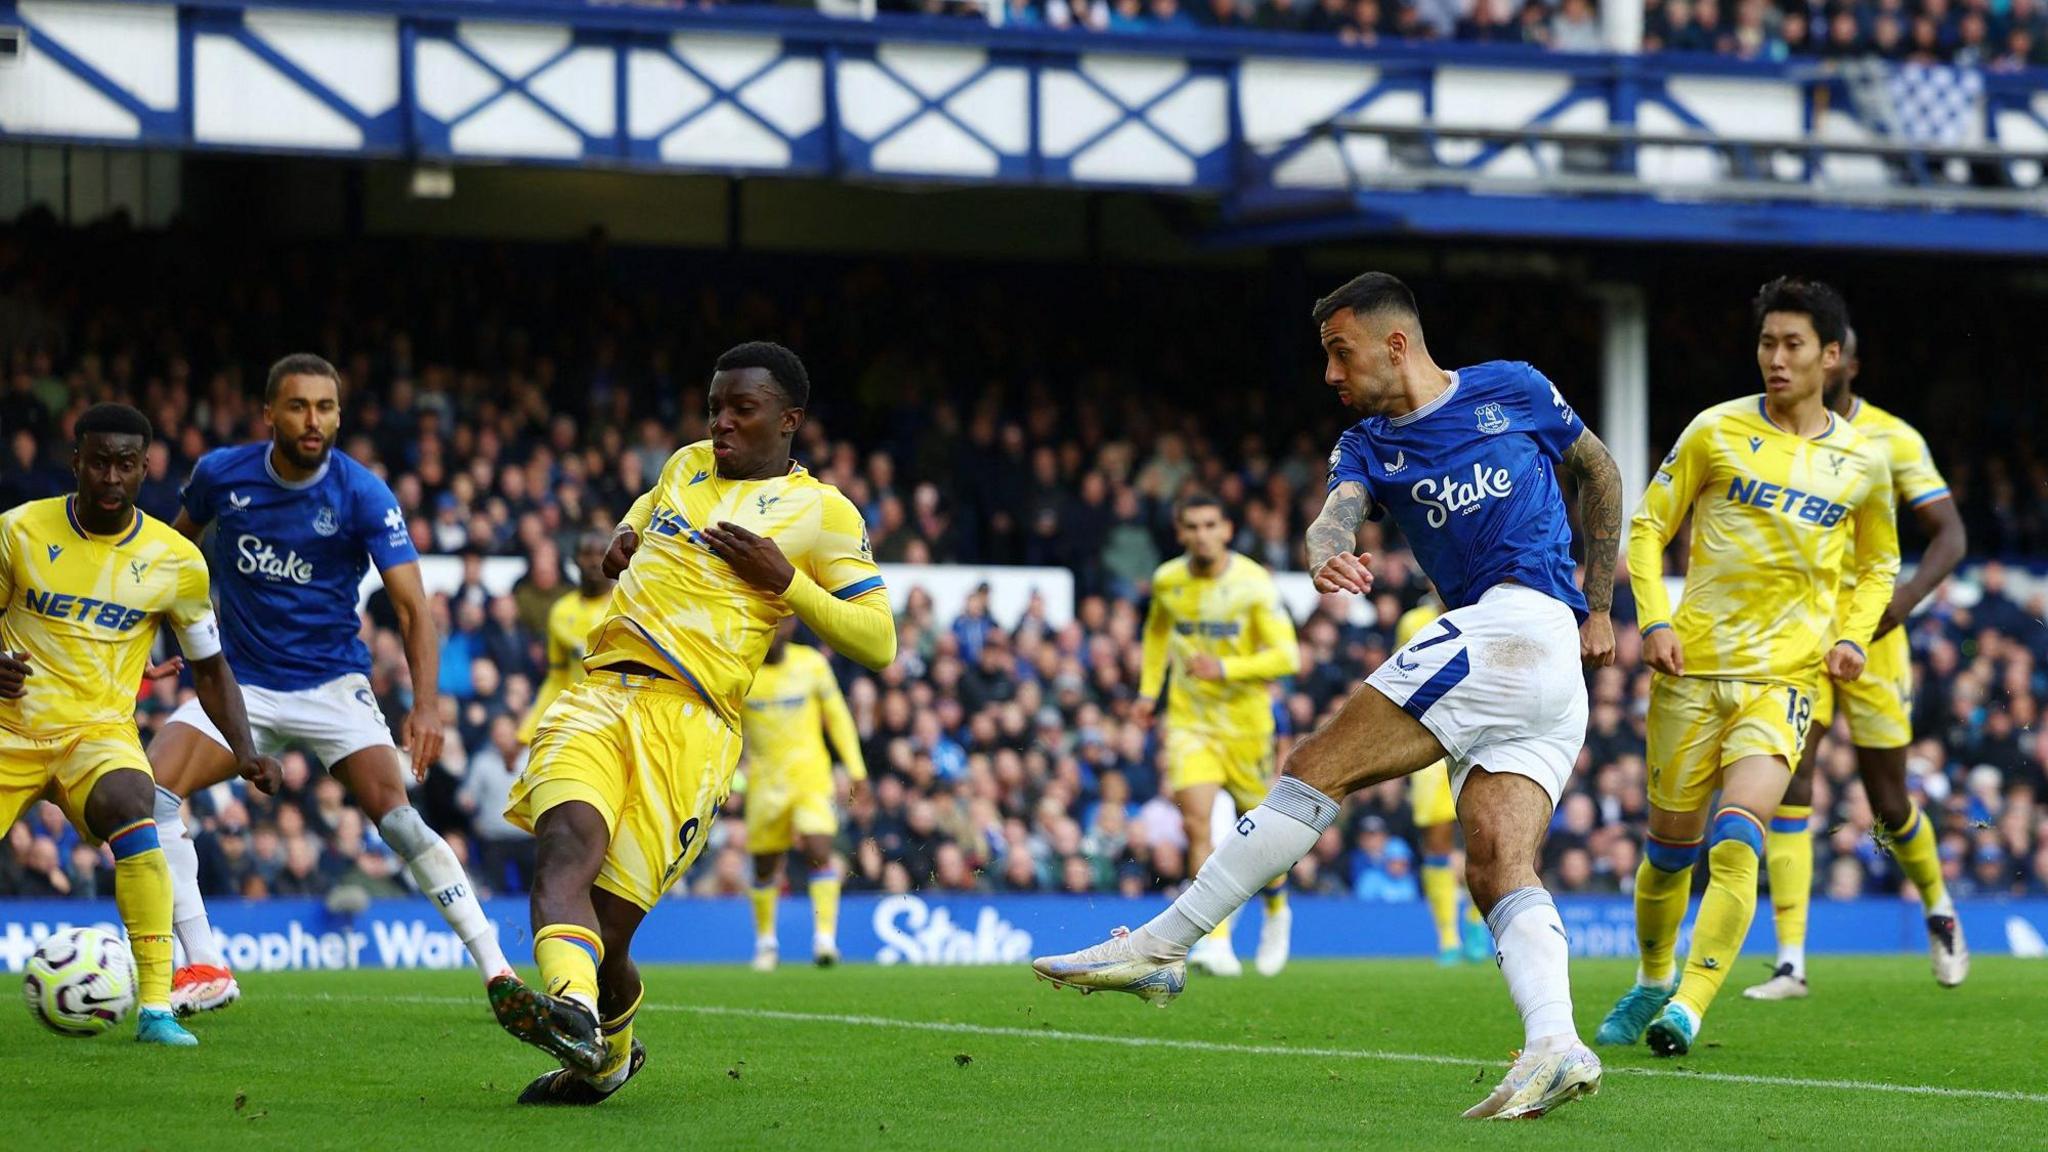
1332 563
1599 483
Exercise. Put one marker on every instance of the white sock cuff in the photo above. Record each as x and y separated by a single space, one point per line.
169 811
1514 904
1291 798
403 829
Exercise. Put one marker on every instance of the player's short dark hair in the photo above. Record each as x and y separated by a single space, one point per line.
1368 294
298 364
1811 298
1198 499
782 365
113 420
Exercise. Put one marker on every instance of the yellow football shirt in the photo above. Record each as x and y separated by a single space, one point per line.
1235 616
792 707
86 608
570 619
681 608
1772 517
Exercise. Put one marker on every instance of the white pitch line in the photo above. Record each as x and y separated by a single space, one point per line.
1221 1048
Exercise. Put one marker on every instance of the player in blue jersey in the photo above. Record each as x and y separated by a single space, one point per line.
295 527
1467 464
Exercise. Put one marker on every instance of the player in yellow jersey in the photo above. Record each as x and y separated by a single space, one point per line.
630 766
1434 809
1878 707
794 704
1216 623
85 581
570 620
1775 485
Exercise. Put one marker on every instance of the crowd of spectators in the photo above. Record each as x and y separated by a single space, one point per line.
2002 35
1004 753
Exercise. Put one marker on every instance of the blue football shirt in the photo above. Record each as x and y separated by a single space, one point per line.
1471 478
287 561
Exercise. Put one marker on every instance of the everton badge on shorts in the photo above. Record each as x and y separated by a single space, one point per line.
324 523
1492 420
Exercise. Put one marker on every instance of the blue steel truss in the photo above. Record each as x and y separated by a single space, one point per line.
765 90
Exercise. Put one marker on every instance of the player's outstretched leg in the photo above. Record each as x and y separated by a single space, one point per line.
1370 740
204 983
1788 862
118 812
372 776
1506 815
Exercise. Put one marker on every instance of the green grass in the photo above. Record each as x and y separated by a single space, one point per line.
387 1060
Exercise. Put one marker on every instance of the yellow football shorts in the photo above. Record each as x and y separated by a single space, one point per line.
1242 766
651 756
65 769
781 811
1700 726
1429 796
1879 702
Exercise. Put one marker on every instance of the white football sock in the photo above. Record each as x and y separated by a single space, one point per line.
188 907
434 868
1264 844
1795 955
1535 958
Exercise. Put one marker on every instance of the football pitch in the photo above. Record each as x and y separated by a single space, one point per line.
1381 1054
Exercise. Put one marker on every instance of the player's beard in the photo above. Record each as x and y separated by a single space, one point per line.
298 459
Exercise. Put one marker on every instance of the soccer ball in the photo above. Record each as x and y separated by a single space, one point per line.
80 982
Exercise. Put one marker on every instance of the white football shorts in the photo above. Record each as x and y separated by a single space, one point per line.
1499 684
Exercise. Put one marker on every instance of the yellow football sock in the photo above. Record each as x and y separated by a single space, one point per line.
142 892
618 1038
764 898
1726 909
825 902
1788 855
1663 888
568 955
1222 929
1440 889
1920 857
1276 894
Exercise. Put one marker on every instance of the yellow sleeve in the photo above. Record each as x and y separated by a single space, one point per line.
839 726
1657 518
861 628
1877 559
1158 630
641 512
1278 653
195 593
842 562
1914 476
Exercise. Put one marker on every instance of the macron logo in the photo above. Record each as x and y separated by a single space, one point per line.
700 477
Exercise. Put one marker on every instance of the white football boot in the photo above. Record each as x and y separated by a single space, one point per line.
1784 984
1539 1082
1950 954
767 953
1112 966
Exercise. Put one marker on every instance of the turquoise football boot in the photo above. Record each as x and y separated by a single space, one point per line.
160 1026
1672 1033
1632 1013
